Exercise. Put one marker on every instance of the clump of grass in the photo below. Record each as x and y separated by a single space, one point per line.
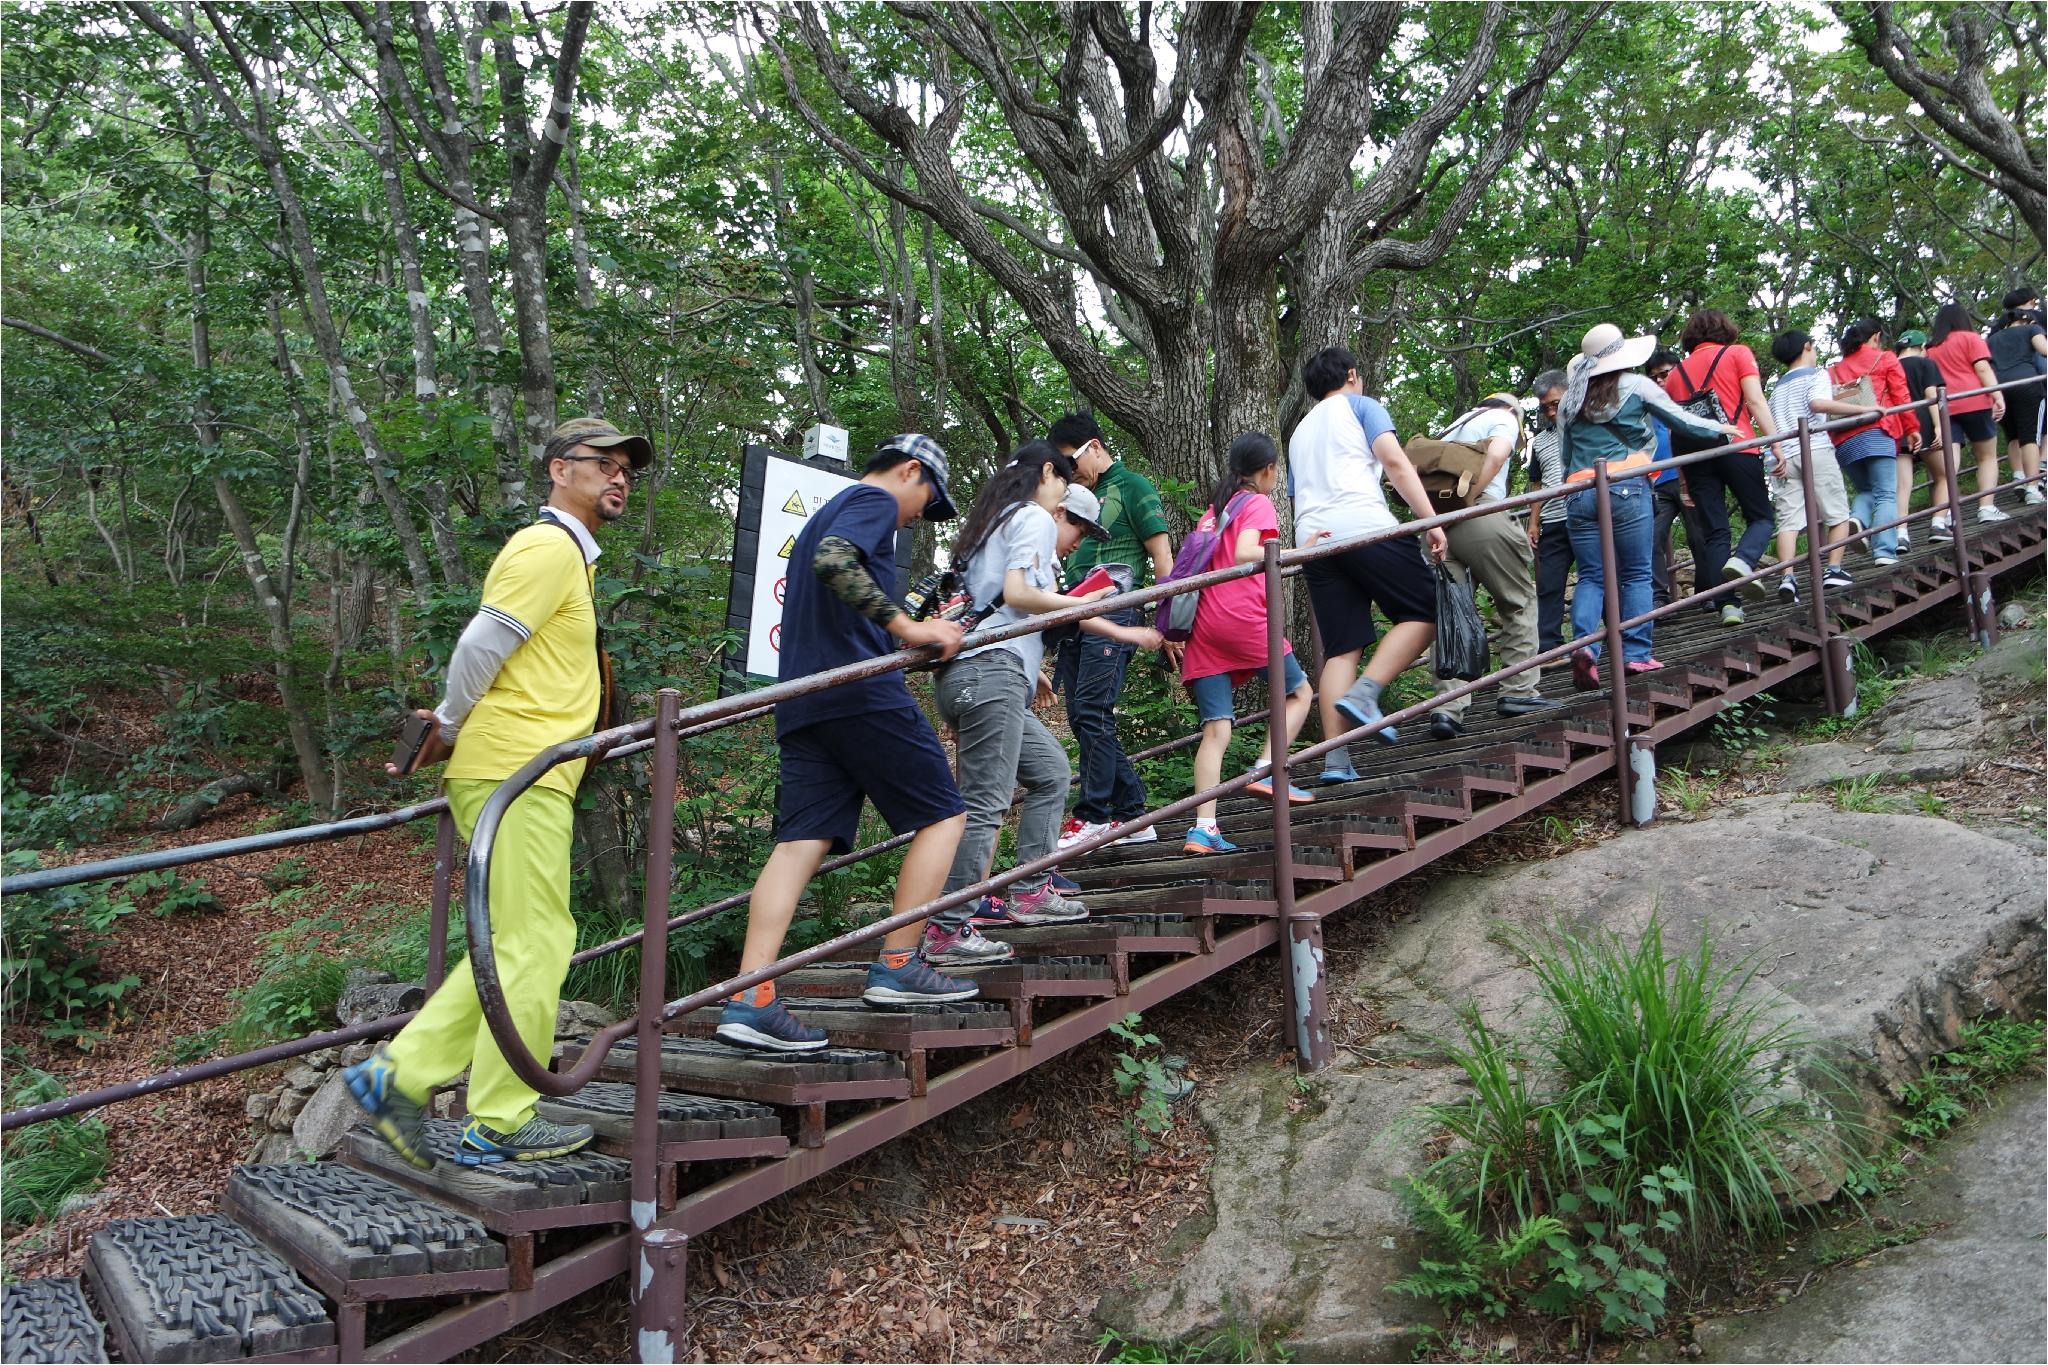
1861 795
1645 1118
49 1162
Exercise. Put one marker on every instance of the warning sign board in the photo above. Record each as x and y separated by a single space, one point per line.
778 495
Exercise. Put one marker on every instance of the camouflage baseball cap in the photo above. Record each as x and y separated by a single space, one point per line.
599 434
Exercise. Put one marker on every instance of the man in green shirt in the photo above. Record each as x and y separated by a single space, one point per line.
1092 667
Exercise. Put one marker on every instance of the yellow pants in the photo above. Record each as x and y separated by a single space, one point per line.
533 935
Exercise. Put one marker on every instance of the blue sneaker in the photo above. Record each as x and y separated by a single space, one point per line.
1295 795
914 983
397 1117
1334 773
1207 841
767 1028
536 1140
1064 885
1362 710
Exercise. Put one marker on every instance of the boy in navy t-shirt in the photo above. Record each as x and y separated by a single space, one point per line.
859 741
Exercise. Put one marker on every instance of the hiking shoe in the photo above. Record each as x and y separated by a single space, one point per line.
536 1140
1074 831
1059 883
914 983
1147 835
1788 590
1834 577
966 946
1442 726
398 1118
1043 906
1735 566
1526 706
1732 615
1938 533
1585 669
1362 710
1207 841
1992 513
1264 787
767 1028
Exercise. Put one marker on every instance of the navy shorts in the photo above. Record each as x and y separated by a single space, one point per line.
1973 426
891 758
1212 695
1343 588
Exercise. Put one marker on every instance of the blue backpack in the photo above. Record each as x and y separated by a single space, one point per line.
1176 620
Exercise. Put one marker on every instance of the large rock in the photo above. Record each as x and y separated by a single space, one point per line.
1307 1228
329 1115
369 995
581 1018
1970 1290
1879 936
1930 731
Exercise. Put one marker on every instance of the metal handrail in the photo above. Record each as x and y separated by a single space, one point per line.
638 736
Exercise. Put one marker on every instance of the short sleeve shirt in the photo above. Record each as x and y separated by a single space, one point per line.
1956 357
546 690
819 631
1132 514
1332 473
2012 351
1740 364
1230 626
1483 426
1921 375
1026 540
1791 399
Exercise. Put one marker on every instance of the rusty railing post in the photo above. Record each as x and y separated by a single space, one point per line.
444 881
1301 944
655 1279
1815 568
1959 547
1617 669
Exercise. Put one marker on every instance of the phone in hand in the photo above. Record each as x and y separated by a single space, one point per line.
411 739
1098 579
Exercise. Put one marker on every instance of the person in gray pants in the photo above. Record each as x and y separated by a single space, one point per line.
1495 551
1008 551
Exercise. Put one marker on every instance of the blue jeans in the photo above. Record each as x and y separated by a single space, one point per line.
1877 499
1635 522
1740 474
1091 673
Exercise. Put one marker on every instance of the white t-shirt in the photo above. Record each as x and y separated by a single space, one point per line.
1332 471
1483 425
1792 398
1026 540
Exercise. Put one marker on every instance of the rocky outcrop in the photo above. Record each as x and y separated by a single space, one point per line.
1876 936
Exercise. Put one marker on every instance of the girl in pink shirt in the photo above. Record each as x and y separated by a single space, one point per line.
1229 642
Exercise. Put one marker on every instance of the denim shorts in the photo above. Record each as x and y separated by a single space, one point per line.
1213 694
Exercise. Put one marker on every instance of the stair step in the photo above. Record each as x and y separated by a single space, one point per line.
837 1073
341 1226
1020 978
607 1106
43 1322
852 1022
512 1196
1219 876
201 1288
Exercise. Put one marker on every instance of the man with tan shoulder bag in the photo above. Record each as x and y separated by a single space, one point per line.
1493 550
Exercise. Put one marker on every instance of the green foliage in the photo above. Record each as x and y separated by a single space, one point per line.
1690 793
1234 1343
1991 1050
1153 1080
1863 794
1874 687
66 816
306 966
173 896
53 942
1744 726
1663 1123
49 1162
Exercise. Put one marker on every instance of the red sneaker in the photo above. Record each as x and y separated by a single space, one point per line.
1585 670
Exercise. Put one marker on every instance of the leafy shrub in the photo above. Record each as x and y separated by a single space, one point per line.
67 815
1990 1050
1142 1072
49 1162
50 946
174 896
306 967
1650 1117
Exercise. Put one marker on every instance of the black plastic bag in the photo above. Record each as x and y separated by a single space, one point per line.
1460 634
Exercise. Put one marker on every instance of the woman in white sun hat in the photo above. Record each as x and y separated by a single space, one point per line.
1605 419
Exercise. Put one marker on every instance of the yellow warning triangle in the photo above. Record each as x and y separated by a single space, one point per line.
795 505
788 546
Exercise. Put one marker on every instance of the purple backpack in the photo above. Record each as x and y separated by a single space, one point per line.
1176 619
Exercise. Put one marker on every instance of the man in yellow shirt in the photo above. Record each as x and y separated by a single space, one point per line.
524 677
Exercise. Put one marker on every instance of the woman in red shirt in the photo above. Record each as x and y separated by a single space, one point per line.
1965 363
1229 642
1868 454
1715 359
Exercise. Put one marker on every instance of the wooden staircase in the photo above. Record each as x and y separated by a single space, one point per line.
365 1258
